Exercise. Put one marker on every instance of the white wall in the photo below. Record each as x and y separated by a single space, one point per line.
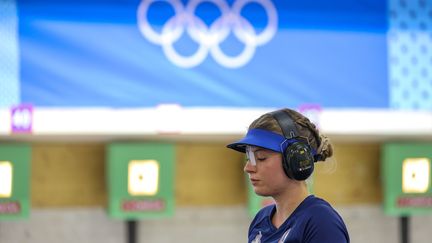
200 224
206 123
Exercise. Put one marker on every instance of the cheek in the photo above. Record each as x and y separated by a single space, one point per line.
277 163
275 170
279 176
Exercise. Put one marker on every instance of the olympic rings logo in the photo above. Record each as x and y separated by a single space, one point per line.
210 37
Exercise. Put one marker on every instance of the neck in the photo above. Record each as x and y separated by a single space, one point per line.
288 201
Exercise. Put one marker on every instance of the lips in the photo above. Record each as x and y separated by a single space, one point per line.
253 181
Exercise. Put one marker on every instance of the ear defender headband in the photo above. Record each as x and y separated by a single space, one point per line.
297 155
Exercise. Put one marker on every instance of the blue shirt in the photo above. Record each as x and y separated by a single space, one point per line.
313 221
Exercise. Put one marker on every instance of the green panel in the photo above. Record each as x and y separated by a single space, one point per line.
17 205
255 202
396 201
121 203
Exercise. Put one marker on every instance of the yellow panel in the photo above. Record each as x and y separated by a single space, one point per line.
206 174
352 176
68 175
209 174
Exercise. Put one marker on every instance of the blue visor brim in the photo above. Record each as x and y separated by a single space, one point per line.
259 138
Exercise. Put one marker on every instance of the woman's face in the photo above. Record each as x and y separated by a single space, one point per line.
267 176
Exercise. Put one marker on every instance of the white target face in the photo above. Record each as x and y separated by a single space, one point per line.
415 175
143 177
5 179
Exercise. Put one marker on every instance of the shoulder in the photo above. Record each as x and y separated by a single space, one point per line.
267 210
260 226
323 223
262 215
321 209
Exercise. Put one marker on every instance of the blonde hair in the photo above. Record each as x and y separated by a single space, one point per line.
307 131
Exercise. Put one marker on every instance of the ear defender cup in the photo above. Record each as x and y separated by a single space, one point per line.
298 158
298 161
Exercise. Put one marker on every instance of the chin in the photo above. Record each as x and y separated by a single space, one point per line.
261 193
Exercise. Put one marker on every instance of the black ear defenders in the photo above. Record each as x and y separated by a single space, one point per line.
297 157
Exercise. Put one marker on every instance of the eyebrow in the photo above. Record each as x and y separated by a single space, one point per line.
266 151
259 149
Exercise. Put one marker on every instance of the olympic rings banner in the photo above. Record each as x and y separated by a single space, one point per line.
209 38
227 53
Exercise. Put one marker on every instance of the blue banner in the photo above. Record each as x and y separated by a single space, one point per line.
9 80
240 53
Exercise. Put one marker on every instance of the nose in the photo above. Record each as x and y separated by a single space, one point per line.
249 168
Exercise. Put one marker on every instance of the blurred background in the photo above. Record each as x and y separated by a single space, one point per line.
114 115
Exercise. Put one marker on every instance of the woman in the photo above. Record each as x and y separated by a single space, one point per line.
281 148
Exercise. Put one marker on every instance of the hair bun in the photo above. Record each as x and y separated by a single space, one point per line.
325 150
